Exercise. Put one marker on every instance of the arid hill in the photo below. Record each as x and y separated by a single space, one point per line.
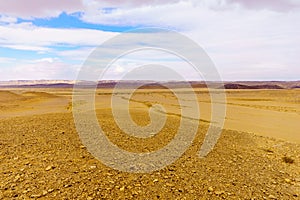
240 86
156 85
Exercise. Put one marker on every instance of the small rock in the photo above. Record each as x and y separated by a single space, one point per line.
170 185
17 178
288 180
122 188
44 192
35 196
155 180
210 189
219 192
93 167
67 185
50 190
49 168
272 196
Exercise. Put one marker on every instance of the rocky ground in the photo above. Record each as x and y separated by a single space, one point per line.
42 157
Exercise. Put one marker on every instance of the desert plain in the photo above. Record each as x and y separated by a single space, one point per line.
256 157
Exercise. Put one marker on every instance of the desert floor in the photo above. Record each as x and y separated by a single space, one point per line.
257 156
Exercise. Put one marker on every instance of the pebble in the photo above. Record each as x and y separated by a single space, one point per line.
122 188
288 180
17 178
210 189
67 185
219 192
170 185
272 196
155 180
50 190
35 196
48 168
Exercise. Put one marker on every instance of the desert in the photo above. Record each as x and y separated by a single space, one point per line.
150 100
256 157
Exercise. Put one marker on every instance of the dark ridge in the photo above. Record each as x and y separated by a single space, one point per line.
241 86
54 85
153 86
106 85
268 87
126 84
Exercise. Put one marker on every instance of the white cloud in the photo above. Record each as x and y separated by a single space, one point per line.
4 60
38 8
48 68
47 60
17 36
26 47
4 19
278 5
78 54
255 39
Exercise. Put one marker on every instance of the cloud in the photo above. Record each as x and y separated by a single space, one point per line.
4 19
133 3
38 8
48 68
278 5
4 60
79 54
256 39
45 9
26 47
28 37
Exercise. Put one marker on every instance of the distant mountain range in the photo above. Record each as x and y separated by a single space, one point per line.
151 84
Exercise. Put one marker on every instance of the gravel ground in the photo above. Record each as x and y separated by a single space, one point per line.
42 157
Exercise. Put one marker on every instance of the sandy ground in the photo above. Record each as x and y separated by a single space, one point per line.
257 156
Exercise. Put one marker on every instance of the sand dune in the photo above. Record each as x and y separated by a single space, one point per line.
6 96
38 94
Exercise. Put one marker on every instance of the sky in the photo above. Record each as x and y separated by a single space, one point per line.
245 39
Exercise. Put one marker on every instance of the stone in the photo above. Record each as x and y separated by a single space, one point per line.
271 196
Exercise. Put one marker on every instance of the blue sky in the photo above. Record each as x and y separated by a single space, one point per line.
73 21
247 40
